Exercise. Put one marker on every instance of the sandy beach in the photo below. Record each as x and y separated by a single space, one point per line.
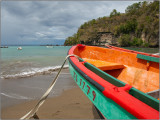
71 104
67 103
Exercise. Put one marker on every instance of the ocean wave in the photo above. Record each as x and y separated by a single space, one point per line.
16 96
33 72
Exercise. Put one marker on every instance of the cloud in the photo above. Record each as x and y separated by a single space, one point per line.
37 22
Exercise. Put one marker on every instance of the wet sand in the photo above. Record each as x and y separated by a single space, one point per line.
71 104
66 100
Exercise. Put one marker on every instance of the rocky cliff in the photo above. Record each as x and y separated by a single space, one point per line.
138 26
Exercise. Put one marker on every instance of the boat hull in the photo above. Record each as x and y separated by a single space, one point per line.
106 106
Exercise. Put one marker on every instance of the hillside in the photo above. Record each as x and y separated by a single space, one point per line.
138 26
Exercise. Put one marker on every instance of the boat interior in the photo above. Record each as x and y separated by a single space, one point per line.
120 68
142 79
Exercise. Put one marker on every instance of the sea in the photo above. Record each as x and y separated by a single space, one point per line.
31 60
26 74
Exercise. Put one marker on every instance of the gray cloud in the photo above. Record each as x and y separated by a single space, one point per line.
37 22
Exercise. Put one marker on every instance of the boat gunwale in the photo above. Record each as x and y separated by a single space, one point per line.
131 51
97 85
88 72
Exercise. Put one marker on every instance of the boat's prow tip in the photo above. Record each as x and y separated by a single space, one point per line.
80 46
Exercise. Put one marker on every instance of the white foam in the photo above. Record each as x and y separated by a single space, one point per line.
16 96
33 71
28 87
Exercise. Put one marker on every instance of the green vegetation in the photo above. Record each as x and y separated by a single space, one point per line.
114 13
138 26
124 40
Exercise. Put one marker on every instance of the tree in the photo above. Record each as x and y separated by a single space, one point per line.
114 13
125 40
133 9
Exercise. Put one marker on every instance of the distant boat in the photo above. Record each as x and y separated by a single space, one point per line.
49 46
122 84
19 48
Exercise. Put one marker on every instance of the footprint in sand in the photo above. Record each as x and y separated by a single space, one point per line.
56 113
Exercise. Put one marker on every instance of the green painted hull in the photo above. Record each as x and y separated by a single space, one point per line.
106 106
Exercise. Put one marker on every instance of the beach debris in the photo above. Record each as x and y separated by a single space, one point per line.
35 116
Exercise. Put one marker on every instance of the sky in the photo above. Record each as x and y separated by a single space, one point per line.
50 22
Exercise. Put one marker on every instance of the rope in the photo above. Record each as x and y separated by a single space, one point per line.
33 111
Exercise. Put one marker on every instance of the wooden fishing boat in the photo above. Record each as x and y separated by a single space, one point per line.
117 81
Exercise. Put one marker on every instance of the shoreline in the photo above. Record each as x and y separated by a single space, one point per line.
19 90
71 104
39 71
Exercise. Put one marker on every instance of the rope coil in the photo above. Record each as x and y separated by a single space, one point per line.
33 111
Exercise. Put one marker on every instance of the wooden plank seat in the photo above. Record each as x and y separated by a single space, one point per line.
103 65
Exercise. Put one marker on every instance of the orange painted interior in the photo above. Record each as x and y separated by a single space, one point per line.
123 66
104 65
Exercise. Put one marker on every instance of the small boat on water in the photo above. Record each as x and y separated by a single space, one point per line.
19 48
49 46
122 84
